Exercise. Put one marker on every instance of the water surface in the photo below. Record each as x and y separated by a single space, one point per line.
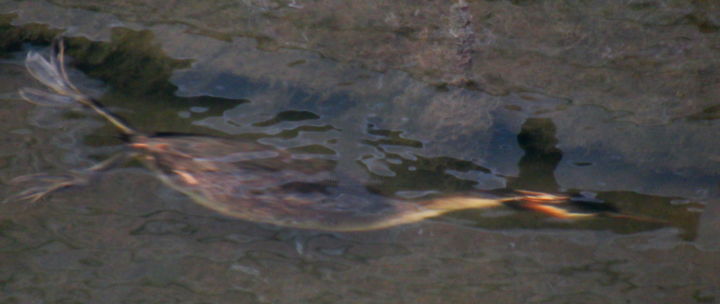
617 102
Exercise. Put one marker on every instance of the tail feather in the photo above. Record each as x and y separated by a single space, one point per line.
51 72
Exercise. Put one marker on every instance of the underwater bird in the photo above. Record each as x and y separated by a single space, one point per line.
249 180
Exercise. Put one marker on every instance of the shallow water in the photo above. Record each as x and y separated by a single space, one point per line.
613 101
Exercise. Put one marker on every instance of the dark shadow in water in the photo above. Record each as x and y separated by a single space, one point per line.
537 173
537 166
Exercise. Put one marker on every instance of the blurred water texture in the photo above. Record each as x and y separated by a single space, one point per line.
616 100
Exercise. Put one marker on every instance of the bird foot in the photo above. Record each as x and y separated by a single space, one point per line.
42 184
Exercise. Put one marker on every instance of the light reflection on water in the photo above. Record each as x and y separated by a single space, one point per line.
130 239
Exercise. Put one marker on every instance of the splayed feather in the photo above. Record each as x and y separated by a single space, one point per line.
51 72
46 99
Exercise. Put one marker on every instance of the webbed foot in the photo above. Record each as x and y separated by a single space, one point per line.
42 184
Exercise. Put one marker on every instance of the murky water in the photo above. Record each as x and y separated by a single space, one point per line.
615 101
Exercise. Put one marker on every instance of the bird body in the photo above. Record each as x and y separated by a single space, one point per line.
253 181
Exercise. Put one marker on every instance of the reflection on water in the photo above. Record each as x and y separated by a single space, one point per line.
129 239
537 166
